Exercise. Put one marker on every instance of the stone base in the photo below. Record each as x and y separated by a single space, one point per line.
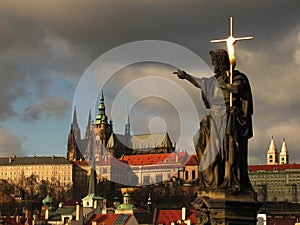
226 207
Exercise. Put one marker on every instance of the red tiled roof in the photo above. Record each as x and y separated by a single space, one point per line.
168 216
101 162
192 161
151 159
81 163
279 167
281 221
12 221
106 218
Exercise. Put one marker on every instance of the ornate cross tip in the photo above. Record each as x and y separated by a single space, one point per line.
230 41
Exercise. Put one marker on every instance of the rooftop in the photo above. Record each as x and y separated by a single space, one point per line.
192 161
277 167
35 160
113 219
168 216
151 159
140 141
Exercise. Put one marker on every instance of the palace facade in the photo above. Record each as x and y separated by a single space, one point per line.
277 180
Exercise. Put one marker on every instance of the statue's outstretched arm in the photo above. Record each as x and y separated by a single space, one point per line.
183 75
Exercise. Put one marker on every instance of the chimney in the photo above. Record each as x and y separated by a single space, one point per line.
47 214
61 205
18 219
77 211
183 214
27 213
177 158
34 219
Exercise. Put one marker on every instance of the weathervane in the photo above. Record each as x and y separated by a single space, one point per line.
230 41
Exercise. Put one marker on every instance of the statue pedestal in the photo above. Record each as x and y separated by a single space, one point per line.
225 207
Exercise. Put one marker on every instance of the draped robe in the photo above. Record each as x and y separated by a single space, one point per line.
221 142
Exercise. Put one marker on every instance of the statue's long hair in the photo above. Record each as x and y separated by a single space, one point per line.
221 58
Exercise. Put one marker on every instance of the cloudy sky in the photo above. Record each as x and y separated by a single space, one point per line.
46 47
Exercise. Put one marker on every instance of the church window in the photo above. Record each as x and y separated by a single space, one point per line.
159 178
193 175
146 179
186 175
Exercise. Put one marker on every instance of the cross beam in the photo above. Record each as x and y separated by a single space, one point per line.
230 41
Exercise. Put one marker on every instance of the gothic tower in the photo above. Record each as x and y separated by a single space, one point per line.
284 155
272 154
89 125
98 133
74 140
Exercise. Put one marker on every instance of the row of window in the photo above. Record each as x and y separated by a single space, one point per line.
34 167
35 172
63 178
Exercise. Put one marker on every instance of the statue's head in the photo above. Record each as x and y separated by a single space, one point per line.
220 60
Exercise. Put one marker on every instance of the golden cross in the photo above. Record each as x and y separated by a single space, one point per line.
230 41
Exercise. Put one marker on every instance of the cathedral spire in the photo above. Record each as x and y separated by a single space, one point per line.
101 118
93 179
74 140
88 126
284 155
272 154
74 116
75 126
127 124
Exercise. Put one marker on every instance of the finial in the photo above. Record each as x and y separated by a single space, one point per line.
102 96
149 203
74 116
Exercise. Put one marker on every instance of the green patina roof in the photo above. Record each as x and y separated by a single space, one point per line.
101 119
47 201
126 195
92 196
66 210
127 207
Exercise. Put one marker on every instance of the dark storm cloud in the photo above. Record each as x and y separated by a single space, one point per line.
52 106
10 143
40 40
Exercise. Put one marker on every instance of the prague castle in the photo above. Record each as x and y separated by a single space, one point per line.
129 158
100 141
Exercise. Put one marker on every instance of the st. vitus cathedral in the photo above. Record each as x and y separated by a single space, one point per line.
100 140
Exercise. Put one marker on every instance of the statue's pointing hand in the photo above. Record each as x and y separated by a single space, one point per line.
180 74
